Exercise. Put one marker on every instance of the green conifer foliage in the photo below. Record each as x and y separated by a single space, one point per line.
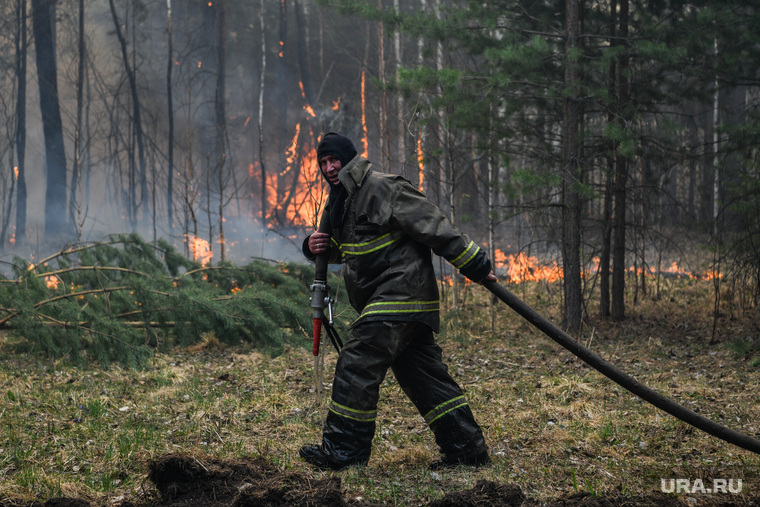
121 299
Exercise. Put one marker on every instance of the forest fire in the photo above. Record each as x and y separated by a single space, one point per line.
301 200
199 248
674 270
521 267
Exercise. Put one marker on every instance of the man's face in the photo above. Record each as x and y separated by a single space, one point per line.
330 166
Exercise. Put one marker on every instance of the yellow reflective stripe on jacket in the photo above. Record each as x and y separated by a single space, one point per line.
444 408
372 245
351 413
391 307
466 256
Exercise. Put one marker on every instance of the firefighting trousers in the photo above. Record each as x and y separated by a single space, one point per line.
409 349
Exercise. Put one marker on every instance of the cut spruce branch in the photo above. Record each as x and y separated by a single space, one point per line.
121 299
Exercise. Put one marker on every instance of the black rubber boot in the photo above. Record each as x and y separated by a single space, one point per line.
460 440
316 456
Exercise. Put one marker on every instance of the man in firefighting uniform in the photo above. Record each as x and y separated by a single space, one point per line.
383 230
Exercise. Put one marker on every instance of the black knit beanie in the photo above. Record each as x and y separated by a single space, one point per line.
337 145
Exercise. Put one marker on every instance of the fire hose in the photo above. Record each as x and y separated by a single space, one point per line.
616 375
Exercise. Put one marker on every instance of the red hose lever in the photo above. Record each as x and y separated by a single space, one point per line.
317 335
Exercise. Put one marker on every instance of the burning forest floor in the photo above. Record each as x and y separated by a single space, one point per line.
218 426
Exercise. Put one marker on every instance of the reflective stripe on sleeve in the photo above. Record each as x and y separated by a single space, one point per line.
466 256
351 413
444 408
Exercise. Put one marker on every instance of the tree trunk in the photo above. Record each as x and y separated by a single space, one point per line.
282 101
170 114
733 103
261 116
21 52
43 19
606 247
400 105
303 55
221 120
385 153
621 179
571 176
75 203
142 175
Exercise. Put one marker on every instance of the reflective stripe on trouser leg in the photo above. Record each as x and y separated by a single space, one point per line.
424 377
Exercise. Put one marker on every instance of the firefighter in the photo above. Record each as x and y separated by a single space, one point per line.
383 230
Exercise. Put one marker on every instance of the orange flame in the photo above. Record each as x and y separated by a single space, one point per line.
52 282
200 249
336 104
521 268
365 137
307 107
420 162
308 190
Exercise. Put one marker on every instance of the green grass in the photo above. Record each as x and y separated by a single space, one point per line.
554 426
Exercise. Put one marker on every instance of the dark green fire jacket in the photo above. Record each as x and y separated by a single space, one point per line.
389 229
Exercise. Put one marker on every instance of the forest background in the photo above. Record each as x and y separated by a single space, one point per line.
608 138
158 172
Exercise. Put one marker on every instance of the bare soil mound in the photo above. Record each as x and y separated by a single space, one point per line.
185 482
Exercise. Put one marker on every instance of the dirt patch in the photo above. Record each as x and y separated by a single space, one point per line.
184 482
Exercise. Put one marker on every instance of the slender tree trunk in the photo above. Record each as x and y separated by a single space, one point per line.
143 180
691 215
716 161
303 54
43 19
621 180
262 81
422 182
170 114
400 105
21 52
75 204
572 175
385 153
605 254
221 120
282 90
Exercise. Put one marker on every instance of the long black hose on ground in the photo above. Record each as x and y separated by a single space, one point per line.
623 379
